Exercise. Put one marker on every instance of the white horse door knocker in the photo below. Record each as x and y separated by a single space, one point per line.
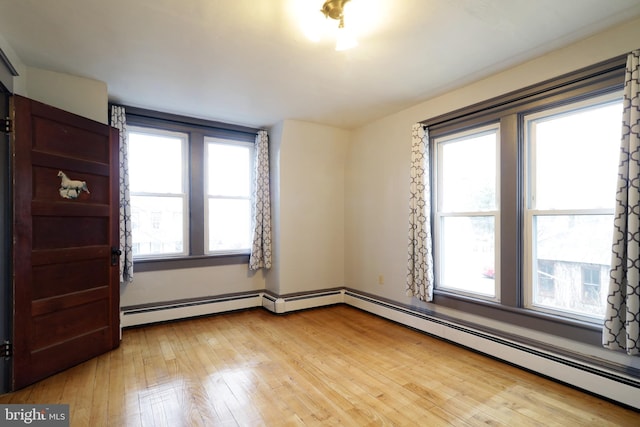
71 188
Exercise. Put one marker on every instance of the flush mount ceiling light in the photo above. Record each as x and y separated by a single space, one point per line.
334 9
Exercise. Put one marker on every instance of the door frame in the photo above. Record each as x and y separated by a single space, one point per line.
5 242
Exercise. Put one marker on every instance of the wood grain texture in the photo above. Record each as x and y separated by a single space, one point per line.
65 287
330 366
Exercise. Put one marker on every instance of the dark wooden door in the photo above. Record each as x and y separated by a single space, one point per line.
65 278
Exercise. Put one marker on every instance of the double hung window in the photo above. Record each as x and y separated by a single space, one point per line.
158 189
571 169
190 189
229 177
467 216
523 199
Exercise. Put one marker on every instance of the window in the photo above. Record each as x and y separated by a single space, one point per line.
523 200
190 186
158 190
229 178
571 177
466 219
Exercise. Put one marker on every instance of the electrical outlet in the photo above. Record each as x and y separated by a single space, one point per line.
381 280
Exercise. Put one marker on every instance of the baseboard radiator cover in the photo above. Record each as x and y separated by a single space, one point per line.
166 311
183 309
288 303
591 378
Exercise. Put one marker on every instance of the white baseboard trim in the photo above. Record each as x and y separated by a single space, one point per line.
592 378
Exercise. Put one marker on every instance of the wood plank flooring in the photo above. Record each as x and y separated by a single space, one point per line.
334 366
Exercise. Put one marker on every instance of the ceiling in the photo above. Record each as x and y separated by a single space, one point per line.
249 62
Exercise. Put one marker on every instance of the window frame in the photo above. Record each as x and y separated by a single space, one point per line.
508 110
197 129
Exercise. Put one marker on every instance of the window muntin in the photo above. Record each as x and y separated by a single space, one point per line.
467 216
229 168
571 168
158 190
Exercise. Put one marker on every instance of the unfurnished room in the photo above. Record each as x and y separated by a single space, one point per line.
320 212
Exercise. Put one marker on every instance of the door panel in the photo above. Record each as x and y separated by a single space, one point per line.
51 279
66 290
53 138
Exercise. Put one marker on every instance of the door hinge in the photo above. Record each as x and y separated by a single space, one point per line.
7 126
7 349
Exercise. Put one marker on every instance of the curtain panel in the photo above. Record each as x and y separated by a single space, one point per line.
119 121
261 206
621 329
420 256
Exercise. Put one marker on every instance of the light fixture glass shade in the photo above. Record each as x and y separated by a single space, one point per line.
344 39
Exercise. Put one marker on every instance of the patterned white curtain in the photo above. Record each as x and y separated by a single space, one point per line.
420 265
119 121
261 207
622 320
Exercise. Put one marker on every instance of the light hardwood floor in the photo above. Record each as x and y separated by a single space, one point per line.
328 366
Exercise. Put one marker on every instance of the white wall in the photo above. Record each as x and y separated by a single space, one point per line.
377 207
378 160
272 282
82 96
308 170
78 95
172 285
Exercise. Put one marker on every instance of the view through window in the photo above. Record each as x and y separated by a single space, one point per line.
229 178
190 192
572 158
467 201
157 183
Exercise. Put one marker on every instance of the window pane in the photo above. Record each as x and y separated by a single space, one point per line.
468 254
229 170
572 259
229 224
155 163
157 225
468 173
575 158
